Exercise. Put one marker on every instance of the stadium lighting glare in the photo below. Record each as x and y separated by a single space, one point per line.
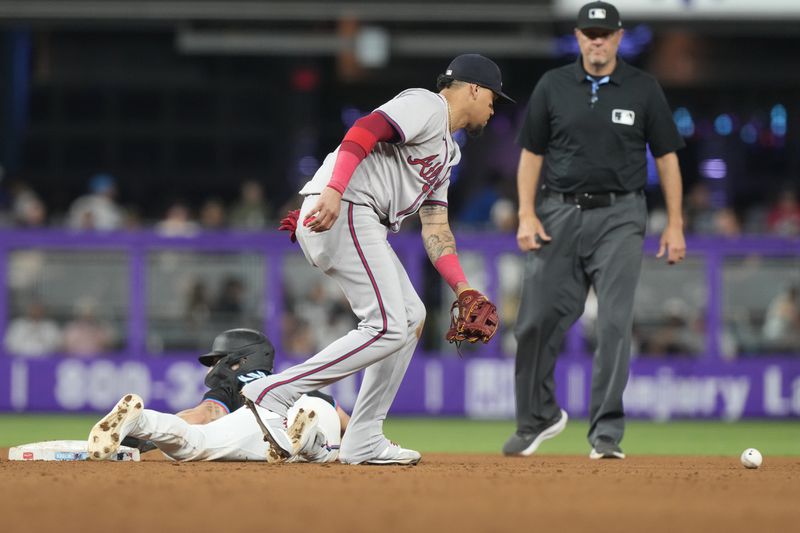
723 124
715 169
778 120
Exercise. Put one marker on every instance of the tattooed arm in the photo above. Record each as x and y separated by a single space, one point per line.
204 413
436 234
441 245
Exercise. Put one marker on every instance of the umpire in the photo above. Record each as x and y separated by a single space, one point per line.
584 146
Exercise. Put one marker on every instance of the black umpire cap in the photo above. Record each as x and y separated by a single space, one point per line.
601 15
475 68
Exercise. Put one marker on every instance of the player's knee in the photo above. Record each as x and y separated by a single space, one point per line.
614 324
530 328
416 318
394 337
418 330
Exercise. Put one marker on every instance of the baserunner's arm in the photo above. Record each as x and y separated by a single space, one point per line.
206 412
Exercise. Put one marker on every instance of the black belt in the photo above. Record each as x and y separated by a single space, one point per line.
588 200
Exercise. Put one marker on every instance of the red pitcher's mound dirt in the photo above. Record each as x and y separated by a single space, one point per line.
459 493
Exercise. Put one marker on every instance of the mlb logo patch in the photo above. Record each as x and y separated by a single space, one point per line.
623 116
597 13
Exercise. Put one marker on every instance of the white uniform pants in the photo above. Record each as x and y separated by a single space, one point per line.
356 254
234 437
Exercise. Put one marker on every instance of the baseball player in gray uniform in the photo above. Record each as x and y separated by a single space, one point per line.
390 165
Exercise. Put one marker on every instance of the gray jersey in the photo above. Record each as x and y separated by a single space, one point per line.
397 178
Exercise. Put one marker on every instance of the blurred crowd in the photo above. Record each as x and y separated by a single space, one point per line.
36 334
100 210
488 207
316 314
703 216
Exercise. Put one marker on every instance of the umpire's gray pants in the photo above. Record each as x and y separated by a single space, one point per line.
599 247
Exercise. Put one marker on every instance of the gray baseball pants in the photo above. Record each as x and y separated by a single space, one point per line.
600 247
356 254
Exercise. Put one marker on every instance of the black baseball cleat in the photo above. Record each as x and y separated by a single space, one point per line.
274 430
605 448
142 445
526 444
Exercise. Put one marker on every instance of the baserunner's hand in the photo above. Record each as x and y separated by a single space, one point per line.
325 212
530 227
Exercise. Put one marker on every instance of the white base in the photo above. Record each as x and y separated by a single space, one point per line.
64 450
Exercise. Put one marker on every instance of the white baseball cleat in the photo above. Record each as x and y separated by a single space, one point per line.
106 436
394 454
303 430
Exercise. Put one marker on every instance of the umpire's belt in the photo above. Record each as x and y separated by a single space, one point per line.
588 200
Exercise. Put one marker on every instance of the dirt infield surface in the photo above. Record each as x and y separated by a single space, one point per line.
443 493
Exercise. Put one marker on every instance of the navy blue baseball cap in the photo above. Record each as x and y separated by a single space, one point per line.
600 15
477 69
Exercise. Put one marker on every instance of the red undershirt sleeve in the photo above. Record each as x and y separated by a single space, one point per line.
358 142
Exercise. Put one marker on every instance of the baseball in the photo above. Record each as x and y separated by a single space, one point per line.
751 458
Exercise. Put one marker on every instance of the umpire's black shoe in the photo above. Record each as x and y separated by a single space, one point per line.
526 443
605 448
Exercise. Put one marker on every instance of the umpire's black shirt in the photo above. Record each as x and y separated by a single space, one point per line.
599 147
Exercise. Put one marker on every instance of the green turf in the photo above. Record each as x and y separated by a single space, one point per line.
641 438
16 429
460 435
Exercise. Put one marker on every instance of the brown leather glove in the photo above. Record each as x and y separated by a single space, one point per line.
476 319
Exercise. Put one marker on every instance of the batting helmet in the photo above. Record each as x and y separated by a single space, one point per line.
248 348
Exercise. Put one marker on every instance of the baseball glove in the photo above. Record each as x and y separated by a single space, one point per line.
289 223
475 320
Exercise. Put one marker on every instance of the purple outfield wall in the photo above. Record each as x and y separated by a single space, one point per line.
478 388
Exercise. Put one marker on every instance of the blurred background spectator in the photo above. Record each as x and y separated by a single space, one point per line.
34 334
699 211
177 222
86 334
212 215
782 324
28 208
251 211
198 306
229 305
784 217
725 223
98 209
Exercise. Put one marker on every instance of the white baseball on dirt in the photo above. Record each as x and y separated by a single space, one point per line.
751 458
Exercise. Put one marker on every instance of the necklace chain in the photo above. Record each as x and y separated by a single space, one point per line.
449 115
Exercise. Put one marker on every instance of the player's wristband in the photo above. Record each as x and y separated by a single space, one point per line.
450 269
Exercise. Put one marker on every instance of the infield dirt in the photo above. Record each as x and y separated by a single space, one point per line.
460 493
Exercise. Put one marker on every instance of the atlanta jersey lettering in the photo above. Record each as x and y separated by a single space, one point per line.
397 178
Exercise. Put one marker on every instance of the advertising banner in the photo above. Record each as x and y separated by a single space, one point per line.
477 388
